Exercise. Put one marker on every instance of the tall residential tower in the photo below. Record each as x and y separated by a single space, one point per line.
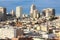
18 12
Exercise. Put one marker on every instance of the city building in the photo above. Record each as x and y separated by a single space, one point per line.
36 14
44 28
24 15
10 32
3 14
33 7
48 12
12 13
18 12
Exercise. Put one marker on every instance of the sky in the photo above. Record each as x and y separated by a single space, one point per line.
40 5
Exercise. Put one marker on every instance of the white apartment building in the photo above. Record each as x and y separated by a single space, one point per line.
10 32
18 12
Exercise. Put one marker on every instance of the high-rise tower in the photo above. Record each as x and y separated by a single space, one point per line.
19 12
49 12
33 7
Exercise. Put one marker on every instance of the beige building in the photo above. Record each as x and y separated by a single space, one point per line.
36 14
12 13
44 28
18 12
2 14
33 7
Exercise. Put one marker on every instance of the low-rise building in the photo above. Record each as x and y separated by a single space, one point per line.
10 32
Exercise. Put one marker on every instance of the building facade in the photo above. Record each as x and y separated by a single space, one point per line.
9 32
33 7
18 12
12 13
2 14
48 12
36 14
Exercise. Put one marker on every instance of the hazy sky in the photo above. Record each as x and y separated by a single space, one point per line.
40 4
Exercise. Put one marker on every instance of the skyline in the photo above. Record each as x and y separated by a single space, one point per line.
9 4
